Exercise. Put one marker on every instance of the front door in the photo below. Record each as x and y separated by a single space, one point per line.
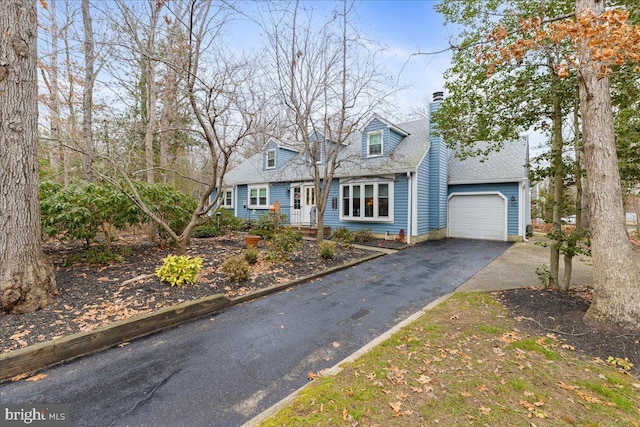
304 198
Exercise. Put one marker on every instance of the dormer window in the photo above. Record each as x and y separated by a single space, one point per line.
374 144
271 159
318 153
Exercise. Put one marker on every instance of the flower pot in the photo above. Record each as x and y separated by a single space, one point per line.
251 241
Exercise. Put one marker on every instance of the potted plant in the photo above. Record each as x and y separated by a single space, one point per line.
251 240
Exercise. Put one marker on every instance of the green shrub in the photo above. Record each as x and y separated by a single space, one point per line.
327 250
179 270
343 236
362 236
235 268
285 242
202 231
251 255
97 255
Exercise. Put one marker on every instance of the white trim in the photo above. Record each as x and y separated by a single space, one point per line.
483 193
485 181
521 208
266 158
409 208
258 205
375 217
414 215
224 198
375 132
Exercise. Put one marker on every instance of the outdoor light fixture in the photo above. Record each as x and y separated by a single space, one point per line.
513 200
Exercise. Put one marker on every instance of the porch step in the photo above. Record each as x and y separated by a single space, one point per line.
311 231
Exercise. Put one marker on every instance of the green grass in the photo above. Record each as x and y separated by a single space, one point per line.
465 363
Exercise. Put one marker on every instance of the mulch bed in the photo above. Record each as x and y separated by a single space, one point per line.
542 311
95 295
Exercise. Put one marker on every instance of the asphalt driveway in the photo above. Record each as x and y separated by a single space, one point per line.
224 369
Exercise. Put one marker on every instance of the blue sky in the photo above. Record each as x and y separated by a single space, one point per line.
402 27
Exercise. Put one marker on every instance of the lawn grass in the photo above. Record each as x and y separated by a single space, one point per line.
466 363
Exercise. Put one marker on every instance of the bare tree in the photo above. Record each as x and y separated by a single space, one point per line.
327 81
27 278
222 100
87 96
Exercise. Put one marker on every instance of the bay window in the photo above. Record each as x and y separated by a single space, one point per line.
367 201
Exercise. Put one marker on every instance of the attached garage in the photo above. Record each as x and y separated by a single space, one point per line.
477 216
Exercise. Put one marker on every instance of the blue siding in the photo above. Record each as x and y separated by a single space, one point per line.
508 189
390 139
277 191
423 197
438 175
400 189
282 155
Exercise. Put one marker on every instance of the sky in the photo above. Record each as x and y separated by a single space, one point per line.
403 28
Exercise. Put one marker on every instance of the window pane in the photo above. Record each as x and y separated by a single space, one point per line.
383 200
296 198
375 144
263 197
345 200
227 200
356 201
253 198
368 201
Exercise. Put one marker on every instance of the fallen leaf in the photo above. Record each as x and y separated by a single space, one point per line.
485 411
396 406
424 379
335 344
37 377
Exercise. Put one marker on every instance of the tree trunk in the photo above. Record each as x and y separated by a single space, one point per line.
87 97
57 152
150 70
27 278
616 276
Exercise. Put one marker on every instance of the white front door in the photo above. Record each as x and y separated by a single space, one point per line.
303 198
309 201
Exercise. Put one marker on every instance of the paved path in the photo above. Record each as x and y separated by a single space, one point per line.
224 369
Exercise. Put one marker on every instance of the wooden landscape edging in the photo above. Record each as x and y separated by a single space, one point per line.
38 356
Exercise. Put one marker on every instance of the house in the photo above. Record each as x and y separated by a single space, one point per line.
394 179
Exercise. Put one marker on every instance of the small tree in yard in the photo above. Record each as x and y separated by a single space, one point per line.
599 40
329 85
27 278
223 104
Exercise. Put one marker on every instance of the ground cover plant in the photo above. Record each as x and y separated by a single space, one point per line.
468 362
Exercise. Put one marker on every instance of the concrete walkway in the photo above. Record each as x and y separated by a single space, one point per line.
516 268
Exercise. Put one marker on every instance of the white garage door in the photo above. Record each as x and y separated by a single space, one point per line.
477 217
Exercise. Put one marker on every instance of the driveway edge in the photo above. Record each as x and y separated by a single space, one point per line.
38 356
335 369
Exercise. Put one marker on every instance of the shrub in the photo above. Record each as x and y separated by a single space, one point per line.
178 270
235 268
284 242
251 255
343 236
202 231
327 250
362 236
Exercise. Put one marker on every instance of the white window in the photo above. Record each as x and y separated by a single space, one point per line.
271 158
370 201
318 152
374 144
227 199
259 197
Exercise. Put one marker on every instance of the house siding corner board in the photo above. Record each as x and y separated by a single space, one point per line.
508 190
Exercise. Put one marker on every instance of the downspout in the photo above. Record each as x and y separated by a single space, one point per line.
409 208
235 200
